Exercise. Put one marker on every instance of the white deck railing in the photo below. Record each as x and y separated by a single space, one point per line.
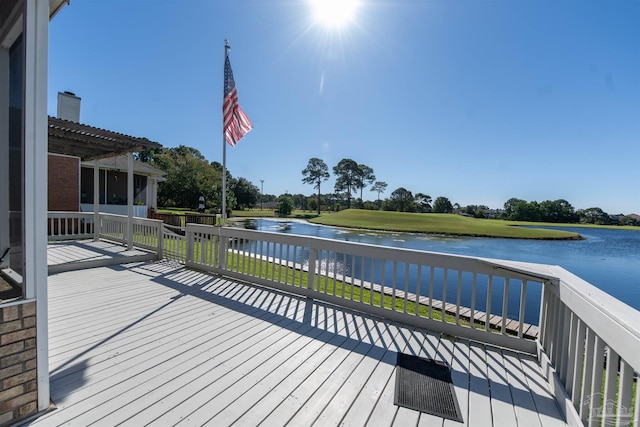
70 225
592 342
147 233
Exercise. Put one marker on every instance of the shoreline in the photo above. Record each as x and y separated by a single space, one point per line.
578 236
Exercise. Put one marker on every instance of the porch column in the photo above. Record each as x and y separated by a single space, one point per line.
129 201
36 40
4 158
96 201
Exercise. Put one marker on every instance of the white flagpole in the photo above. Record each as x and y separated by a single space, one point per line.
224 153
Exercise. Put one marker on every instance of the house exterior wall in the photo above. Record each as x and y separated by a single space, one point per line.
24 364
18 366
64 183
116 188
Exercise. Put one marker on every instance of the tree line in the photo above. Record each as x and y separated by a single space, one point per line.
353 177
189 175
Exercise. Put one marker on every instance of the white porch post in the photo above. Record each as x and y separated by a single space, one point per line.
129 201
96 201
4 148
36 41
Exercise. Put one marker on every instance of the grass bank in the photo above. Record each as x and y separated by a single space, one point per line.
438 224
270 213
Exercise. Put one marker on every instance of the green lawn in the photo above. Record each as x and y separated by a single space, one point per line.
437 224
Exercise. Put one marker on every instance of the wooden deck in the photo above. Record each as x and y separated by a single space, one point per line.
155 343
80 254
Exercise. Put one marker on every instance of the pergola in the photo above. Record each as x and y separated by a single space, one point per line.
91 143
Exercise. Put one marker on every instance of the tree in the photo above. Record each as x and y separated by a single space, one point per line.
629 220
442 205
299 201
510 205
423 202
594 216
315 172
402 200
365 177
379 187
245 192
285 206
188 175
347 173
525 211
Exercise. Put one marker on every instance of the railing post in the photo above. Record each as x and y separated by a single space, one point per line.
222 250
311 273
96 201
97 226
160 228
188 236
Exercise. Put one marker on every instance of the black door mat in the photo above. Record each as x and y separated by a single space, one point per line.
425 385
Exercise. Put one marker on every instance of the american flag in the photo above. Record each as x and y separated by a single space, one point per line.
235 122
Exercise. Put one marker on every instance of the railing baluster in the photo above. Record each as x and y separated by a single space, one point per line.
458 297
394 279
286 278
260 258
583 408
611 380
280 262
353 274
505 306
203 249
418 295
578 363
382 282
523 303
472 315
487 315
443 307
254 257
595 396
373 271
431 280
273 262
636 405
311 275
362 278
344 272
565 344
334 265
623 412
406 286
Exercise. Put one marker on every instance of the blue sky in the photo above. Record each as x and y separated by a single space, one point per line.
478 101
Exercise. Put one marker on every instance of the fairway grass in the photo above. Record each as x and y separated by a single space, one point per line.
438 224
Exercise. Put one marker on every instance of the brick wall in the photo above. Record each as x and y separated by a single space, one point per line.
64 183
18 382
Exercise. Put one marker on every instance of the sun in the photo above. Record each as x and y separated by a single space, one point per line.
334 13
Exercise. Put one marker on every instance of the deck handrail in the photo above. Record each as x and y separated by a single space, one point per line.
147 233
69 225
440 275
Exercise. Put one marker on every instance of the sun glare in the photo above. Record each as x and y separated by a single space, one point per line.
334 13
